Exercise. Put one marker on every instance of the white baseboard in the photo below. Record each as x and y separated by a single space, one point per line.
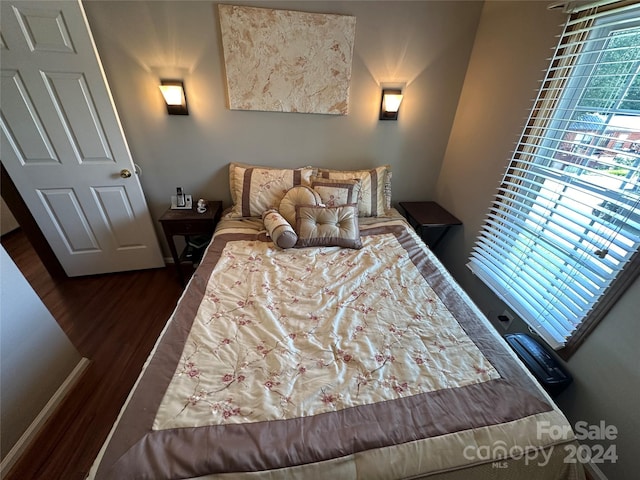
594 471
27 437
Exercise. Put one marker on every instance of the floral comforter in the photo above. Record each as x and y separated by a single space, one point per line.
280 361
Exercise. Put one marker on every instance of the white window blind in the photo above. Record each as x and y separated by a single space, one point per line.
565 221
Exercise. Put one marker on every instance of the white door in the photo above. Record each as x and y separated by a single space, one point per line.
63 145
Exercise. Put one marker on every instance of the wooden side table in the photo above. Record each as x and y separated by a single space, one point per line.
429 215
187 223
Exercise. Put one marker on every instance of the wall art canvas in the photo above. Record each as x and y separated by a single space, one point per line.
287 61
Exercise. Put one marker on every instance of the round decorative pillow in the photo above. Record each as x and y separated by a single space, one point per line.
300 195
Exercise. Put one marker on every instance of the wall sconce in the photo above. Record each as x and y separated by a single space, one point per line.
174 96
390 104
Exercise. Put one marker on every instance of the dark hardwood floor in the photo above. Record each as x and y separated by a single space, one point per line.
114 321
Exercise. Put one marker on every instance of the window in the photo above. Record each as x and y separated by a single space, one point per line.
561 239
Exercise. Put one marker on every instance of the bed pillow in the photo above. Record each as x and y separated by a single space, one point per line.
297 196
255 189
375 188
335 192
319 226
280 231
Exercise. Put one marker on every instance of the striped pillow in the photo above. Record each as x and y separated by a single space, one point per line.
375 188
336 192
255 189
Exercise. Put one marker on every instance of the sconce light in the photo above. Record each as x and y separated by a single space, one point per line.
390 104
174 96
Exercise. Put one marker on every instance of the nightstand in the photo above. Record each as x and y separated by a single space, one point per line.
188 223
425 216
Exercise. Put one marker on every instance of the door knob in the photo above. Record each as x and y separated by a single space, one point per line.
124 173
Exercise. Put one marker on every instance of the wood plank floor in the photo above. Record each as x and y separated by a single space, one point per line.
113 320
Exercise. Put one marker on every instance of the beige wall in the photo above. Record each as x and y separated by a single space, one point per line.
425 44
36 357
511 49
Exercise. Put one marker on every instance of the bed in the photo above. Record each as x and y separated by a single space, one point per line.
320 338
